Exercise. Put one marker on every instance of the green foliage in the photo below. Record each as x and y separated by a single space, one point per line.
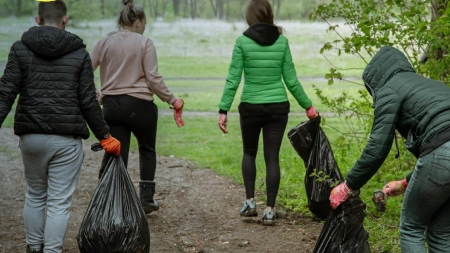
232 9
320 177
407 25
83 9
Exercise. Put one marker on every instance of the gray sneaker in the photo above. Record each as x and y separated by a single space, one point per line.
268 218
249 209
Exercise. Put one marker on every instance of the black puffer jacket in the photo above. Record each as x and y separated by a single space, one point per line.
52 71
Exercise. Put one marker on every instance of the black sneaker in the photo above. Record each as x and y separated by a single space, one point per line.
249 209
268 218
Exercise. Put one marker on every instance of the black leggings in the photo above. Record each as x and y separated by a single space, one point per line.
273 127
125 115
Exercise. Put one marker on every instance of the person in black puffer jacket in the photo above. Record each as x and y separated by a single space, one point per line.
51 71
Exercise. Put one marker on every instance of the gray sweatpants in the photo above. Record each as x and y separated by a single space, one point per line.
52 165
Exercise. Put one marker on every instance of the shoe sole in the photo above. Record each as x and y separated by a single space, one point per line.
148 210
250 214
268 222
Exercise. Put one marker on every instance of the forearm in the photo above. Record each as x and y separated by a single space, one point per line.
94 118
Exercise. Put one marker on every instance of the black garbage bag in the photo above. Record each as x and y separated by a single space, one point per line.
343 231
311 144
114 221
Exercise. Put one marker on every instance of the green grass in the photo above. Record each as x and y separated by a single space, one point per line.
202 141
217 67
205 95
194 52
201 50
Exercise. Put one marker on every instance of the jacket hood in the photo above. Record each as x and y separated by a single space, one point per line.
51 42
386 63
263 34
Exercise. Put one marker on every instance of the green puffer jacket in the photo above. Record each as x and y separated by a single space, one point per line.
264 56
417 107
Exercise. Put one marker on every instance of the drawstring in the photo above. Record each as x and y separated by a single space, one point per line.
396 145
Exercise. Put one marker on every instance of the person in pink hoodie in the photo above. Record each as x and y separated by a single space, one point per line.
129 80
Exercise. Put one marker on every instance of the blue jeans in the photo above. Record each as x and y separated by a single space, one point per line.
426 207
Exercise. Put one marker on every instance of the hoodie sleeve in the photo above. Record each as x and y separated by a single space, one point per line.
95 59
380 140
9 85
154 80
291 80
233 78
89 106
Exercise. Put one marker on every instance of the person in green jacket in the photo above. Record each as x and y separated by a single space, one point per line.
263 54
419 109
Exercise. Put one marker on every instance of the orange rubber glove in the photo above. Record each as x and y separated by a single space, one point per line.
177 111
395 188
339 194
111 145
223 119
311 112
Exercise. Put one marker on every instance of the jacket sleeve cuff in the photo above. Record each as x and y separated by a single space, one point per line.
171 100
408 177
351 185
307 105
222 111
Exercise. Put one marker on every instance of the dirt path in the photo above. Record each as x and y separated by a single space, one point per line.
199 209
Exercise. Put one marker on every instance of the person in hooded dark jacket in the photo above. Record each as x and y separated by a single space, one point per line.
419 109
263 54
51 72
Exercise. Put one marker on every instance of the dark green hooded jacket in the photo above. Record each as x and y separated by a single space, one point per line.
417 107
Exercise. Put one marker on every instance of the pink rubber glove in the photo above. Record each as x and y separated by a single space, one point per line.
178 110
311 112
339 194
395 188
223 119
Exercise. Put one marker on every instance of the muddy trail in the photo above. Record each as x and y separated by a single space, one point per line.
199 209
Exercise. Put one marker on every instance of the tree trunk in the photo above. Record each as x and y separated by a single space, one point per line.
242 9
176 7
213 8
153 8
438 7
185 8
219 9
164 7
227 9
102 6
277 16
156 8
19 8
150 6
193 4
13 10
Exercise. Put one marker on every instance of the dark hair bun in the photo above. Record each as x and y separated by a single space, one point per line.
126 2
